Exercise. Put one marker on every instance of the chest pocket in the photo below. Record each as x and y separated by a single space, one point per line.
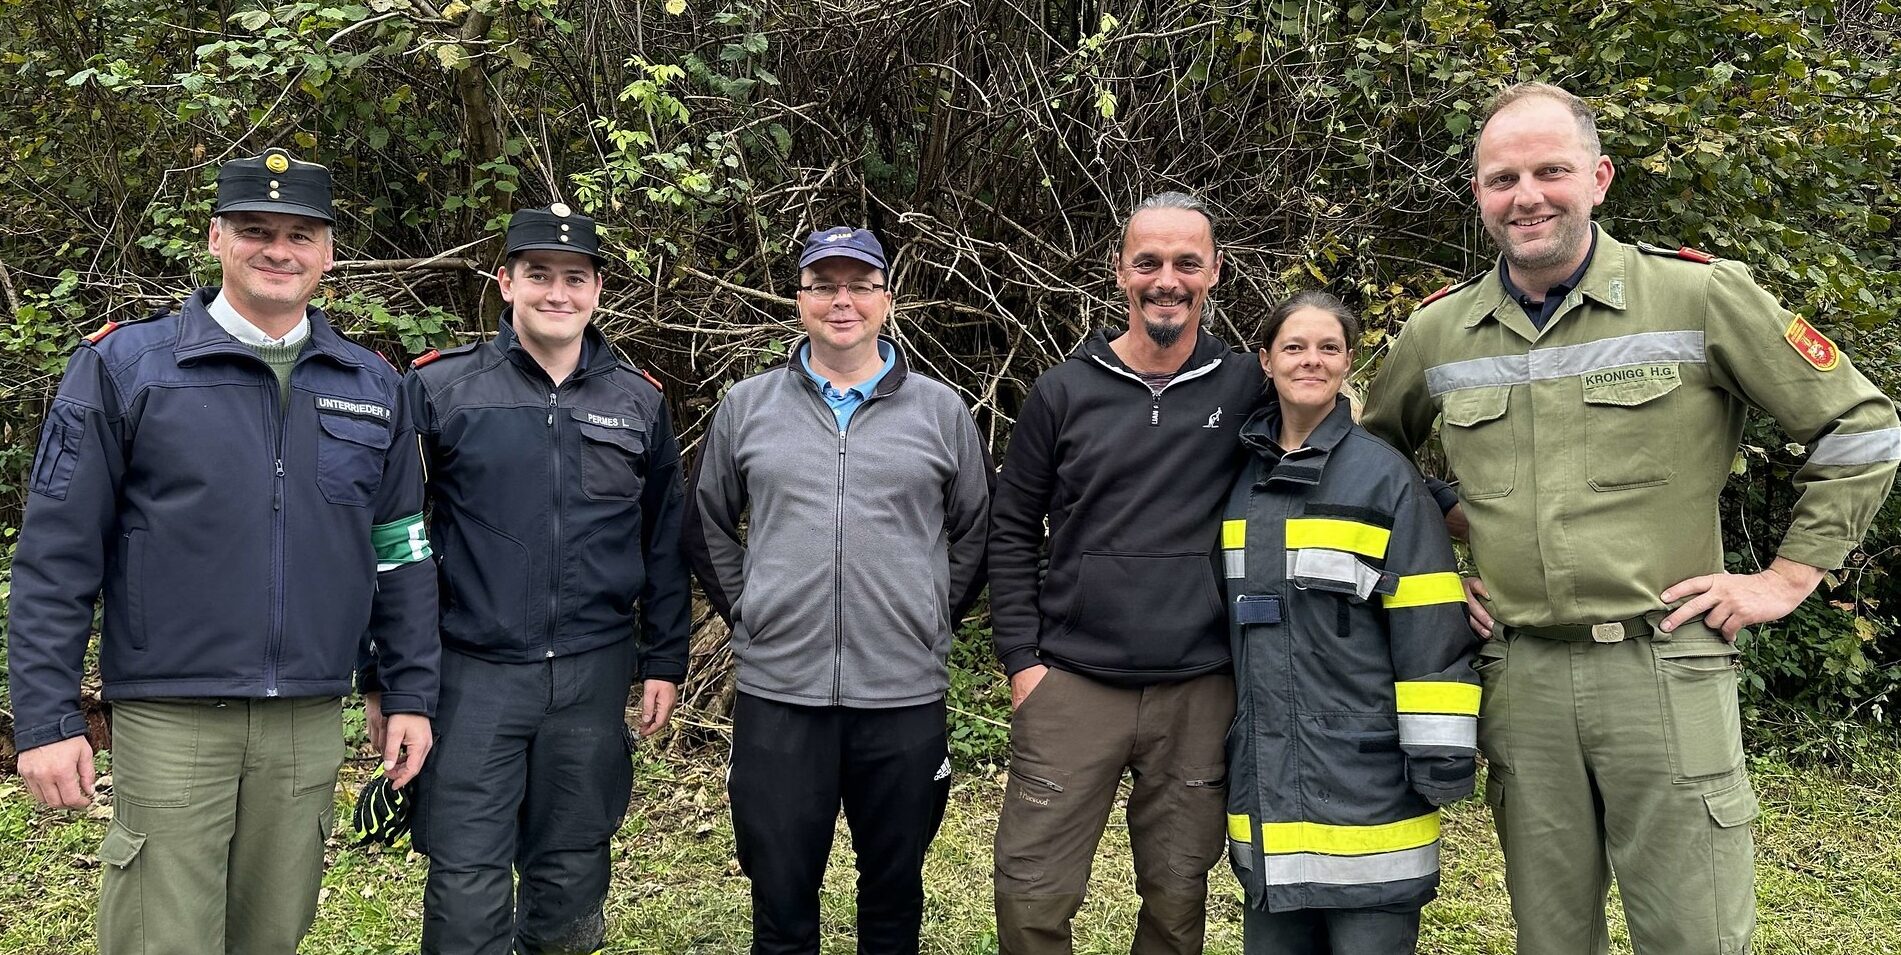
613 455
1480 442
350 457
1628 426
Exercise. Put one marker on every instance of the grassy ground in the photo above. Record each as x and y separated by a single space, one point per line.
1828 875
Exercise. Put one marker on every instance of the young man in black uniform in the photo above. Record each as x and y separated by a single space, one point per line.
555 483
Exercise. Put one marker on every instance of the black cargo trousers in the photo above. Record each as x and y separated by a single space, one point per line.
531 772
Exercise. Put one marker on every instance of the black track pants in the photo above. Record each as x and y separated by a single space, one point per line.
793 767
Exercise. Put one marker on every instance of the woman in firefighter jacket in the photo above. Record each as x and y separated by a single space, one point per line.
1357 711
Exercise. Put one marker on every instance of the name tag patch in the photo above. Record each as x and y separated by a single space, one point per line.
1665 371
362 409
1252 609
608 420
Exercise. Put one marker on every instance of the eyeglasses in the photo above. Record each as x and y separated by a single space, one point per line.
825 290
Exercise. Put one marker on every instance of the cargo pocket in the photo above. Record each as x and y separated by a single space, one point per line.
1496 784
623 781
1732 864
1494 699
612 455
326 826
58 455
1478 429
350 457
121 845
1697 685
1034 795
1628 442
1197 820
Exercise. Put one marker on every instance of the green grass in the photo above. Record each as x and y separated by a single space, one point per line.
1828 874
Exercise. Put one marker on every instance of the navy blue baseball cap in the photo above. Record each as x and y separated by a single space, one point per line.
556 228
274 181
842 242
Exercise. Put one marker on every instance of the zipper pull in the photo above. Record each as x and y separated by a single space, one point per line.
1155 411
277 487
841 441
551 407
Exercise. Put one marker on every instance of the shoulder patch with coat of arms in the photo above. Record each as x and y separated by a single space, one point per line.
1814 347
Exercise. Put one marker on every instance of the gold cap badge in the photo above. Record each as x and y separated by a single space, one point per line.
276 161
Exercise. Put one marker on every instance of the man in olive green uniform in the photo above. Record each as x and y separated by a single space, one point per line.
1593 394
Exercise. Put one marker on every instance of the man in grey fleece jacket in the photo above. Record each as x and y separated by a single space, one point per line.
865 492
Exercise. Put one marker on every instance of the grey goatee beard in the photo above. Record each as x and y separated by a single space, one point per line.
1164 334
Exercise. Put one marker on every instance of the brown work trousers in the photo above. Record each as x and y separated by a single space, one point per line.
1070 741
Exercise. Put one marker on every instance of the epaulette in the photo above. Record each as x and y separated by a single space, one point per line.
1684 252
1448 290
435 353
110 327
655 382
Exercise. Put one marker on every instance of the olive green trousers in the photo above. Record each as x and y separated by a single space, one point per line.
1620 758
220 813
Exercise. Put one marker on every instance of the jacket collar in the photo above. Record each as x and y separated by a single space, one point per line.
200 335
1603 283
1095 350
1304 465
597 356
890 383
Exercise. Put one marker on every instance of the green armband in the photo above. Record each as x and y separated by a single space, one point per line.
401 541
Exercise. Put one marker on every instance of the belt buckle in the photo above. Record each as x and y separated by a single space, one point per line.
1608 632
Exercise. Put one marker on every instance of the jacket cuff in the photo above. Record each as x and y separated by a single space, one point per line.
1017 659
1443 494
394 703
1441 779
367 682
1815 550
673 673
65 728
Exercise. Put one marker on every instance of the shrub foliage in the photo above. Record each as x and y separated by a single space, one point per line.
993 145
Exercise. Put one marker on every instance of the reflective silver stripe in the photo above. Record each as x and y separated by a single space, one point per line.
1334 570
1241 854
1438 729
1478 373
1868 447
1565 361
1295 868
1236 562
1568 360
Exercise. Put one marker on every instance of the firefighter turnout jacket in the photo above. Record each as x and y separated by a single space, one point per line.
1358 706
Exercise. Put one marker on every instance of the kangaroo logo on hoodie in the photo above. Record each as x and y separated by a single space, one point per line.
1214 420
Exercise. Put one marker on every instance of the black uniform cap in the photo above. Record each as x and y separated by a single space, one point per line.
557 229
274 182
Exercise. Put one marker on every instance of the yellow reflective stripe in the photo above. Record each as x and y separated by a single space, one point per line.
1429 696
1285 837
1234 533
1240 828
1422 590
1336 534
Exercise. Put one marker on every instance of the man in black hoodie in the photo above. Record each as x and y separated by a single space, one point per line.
1118 659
